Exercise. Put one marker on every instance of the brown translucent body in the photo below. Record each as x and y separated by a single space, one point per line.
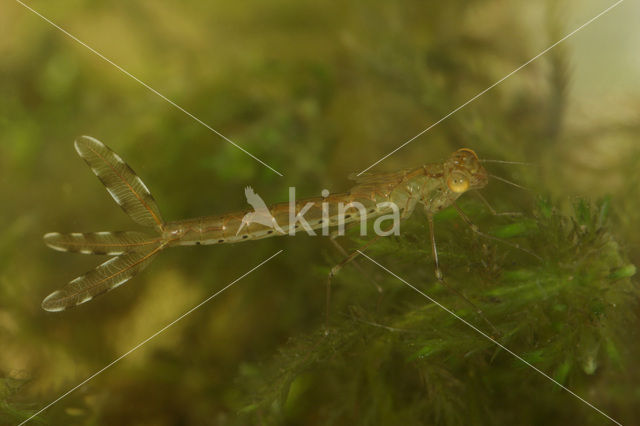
435 186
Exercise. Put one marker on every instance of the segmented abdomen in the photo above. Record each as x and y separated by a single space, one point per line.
230 228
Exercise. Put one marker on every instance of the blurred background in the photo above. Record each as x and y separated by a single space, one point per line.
317 91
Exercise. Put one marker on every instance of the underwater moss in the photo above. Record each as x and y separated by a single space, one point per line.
568 315
319 90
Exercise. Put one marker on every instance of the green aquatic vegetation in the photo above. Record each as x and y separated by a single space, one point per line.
408 360
319 91
12 413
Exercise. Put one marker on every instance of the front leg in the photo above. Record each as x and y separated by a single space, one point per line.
492 210
475 229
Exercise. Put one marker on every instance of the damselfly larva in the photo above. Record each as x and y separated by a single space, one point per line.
435 186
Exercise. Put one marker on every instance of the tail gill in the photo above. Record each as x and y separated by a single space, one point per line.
109 243
133 250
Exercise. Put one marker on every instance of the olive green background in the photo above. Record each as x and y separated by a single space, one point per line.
319 90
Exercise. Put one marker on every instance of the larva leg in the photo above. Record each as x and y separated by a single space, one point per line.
349 257
334 271
441 280
475 229
492 210
343 252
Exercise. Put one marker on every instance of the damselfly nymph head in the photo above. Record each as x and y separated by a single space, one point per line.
463 171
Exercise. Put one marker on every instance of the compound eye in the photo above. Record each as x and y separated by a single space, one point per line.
468 153
458 182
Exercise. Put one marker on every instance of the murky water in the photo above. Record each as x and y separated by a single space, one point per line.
315 92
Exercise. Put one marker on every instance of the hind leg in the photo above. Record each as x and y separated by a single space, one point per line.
334 271
357 265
